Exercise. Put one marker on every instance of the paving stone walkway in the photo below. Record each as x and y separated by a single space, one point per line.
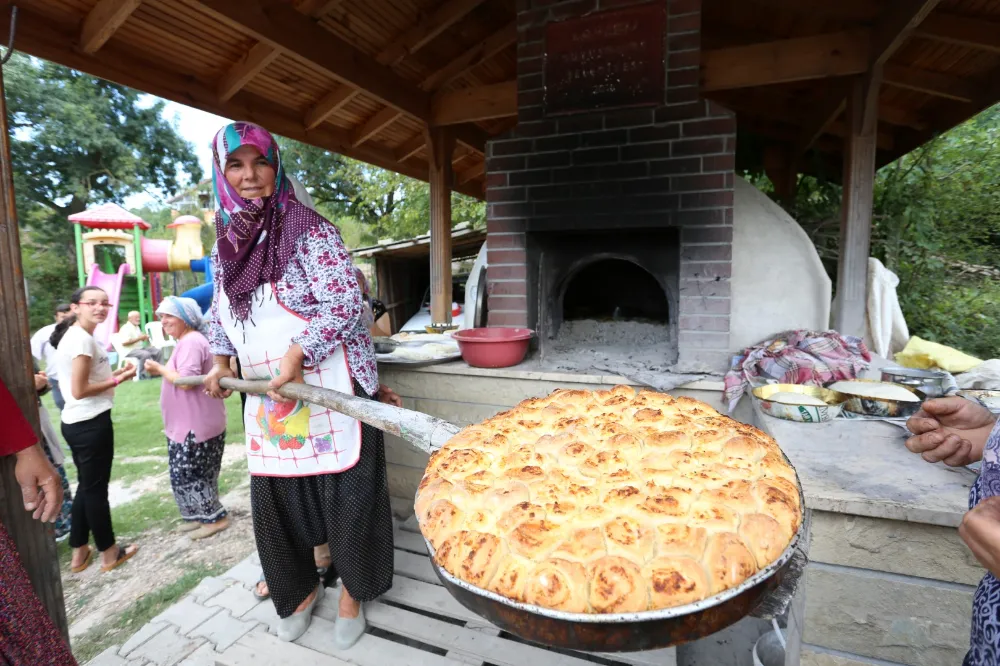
417 623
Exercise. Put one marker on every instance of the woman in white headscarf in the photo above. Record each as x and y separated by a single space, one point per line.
194 422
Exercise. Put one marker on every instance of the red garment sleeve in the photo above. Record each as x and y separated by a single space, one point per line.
17 433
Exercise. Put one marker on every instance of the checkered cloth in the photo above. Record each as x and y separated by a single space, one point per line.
796 357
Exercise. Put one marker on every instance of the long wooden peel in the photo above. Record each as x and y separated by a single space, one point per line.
425 432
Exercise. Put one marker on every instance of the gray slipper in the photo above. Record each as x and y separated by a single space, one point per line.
292 627
348 630
257 595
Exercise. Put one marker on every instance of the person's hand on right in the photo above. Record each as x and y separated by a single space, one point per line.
217 373
950 430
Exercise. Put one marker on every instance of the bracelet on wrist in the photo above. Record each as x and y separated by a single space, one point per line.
116 380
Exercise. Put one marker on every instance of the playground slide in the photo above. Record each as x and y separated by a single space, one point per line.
112 284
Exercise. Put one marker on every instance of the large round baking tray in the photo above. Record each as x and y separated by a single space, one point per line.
623 632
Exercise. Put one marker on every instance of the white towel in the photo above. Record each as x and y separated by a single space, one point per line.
886 332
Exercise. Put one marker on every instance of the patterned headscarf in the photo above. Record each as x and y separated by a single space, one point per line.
185 309
256 237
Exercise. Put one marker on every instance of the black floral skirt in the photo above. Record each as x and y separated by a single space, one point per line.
194 477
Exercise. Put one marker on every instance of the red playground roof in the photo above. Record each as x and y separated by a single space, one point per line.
108 216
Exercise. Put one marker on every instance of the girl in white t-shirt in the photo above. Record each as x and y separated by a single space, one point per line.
89 388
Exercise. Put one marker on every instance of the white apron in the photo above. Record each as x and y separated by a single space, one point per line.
289 439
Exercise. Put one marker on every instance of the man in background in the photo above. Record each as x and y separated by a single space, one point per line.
43 351
135 343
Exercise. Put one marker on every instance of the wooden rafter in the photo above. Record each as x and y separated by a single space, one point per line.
262 54
333 101
103 20
411 147
472 57
931 83
279 25
426 30
842 10
895 27
374 125
976 33
240 74
498 100
41 37
897 24
477 170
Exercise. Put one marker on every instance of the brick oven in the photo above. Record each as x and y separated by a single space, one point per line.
612 214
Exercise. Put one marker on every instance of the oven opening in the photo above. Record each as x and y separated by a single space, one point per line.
615 290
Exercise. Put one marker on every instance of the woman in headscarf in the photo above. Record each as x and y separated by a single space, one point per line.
287 302
194 422
27 635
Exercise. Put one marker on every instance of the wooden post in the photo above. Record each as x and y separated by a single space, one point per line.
440 146
34 540
780 166
856 214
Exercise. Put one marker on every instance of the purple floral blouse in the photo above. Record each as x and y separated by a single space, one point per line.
320 285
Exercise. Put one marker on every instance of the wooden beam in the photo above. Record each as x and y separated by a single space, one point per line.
931 83
472 57
425 30
33 539
786 60
856 210
103 20
498 100
44 38
240 74
374 125
262 55
895 27
329 105
411 147
282 27
888 34
975 33
440 145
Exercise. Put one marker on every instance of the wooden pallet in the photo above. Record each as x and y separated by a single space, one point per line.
418 612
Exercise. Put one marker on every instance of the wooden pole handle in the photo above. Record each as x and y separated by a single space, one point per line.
424 432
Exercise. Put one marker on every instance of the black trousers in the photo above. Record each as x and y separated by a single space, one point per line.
348 510
92 443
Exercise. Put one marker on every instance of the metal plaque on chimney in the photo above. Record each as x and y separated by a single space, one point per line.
606 60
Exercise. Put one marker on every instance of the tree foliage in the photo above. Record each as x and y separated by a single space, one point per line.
373 203
936 225
77 141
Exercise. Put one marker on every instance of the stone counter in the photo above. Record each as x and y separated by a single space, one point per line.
889 581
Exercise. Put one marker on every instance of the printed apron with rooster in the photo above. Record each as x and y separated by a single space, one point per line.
289 439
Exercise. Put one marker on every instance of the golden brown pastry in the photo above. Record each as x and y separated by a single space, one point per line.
617 586
558 584
674 581
608 501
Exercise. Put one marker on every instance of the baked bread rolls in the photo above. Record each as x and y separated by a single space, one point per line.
608 502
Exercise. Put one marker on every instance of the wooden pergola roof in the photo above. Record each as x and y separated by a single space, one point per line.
365 77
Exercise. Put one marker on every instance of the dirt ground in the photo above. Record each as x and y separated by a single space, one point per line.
164 556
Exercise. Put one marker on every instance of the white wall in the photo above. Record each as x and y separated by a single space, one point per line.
778 280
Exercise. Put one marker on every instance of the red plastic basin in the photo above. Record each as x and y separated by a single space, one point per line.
493 347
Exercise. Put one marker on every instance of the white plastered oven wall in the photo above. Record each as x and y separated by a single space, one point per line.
778 280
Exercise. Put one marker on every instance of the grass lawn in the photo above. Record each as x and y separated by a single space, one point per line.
140 445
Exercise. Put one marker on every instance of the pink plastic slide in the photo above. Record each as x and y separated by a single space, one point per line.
112 284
